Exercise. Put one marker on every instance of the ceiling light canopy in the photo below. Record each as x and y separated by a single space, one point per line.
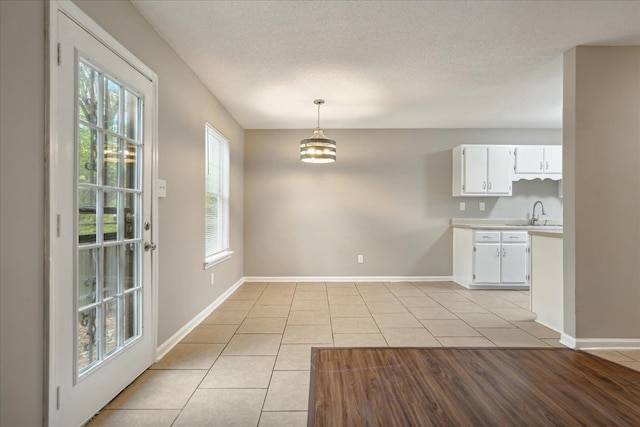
318 148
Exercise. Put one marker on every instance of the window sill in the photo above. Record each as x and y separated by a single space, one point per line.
217 259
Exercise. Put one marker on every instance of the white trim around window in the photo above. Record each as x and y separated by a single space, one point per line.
216 227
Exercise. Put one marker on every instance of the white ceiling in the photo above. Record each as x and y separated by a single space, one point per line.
388 64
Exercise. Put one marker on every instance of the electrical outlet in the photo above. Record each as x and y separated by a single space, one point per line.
463 206
212 279
481 206
360 259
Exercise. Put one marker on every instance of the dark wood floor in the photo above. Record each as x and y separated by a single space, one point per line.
470 387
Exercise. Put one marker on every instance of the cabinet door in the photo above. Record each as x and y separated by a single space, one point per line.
499 170
553 159
486 263
475 170
514 263
529 159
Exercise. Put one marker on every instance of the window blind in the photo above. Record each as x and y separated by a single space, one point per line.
216 232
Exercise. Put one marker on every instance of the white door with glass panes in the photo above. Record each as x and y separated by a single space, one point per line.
102 332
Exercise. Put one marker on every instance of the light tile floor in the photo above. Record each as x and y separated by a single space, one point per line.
248 363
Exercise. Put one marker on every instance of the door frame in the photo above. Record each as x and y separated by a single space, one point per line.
53 7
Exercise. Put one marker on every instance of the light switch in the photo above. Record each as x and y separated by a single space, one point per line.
162 188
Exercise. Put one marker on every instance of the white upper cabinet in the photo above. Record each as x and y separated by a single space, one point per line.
474 170
499 170
537 161
553 159
529 159
482 170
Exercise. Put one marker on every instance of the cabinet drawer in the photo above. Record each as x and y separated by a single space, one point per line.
514 236
487 236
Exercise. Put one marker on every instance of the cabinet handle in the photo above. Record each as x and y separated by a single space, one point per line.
504 253
489 185
540 165
484 185
498 252
546 166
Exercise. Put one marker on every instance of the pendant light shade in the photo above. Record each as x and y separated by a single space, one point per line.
318 148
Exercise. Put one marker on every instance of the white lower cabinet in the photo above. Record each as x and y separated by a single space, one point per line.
491 259
486 263
515 263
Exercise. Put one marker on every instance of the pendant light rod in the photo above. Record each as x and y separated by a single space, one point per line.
318 102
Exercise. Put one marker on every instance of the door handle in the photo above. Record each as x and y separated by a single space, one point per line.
149 246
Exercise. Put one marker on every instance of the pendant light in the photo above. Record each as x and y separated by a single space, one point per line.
318 148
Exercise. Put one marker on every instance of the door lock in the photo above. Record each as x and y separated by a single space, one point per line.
147 225
149 246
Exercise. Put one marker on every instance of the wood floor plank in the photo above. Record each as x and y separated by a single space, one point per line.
469 387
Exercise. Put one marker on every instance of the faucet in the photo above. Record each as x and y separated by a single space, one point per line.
535 218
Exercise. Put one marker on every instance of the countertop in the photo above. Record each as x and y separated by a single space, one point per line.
547 233
554 226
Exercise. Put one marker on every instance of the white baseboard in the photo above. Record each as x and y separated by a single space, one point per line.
166 346
348 279
600 343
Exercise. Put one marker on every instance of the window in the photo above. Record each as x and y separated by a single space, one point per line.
216 202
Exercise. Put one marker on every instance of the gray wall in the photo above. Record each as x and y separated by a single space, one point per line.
21 219
184 105
602 217
387 197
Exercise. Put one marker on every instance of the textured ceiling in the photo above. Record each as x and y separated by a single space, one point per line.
388 64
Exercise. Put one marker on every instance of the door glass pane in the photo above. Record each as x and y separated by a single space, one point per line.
111 105
131 252
131 115
131 312
110 327
131 216
87 225
87 276
88 81
110 216
87 155
111 156
111 271
87 338
131 166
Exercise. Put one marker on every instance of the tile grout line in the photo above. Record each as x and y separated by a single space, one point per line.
214 362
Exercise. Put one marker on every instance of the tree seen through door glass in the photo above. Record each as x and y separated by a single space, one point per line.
111 158
111 105
88 88
87 155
